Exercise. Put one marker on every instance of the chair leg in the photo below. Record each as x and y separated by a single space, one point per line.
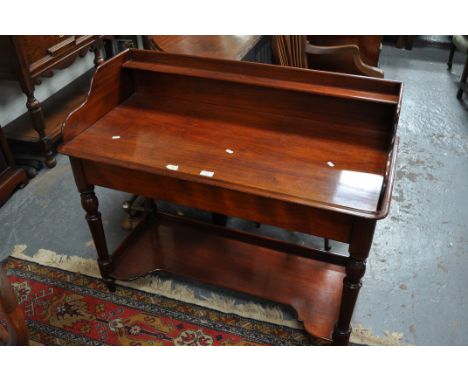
326 244
450 59
463 78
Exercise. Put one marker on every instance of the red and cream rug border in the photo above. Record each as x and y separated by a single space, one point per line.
215 301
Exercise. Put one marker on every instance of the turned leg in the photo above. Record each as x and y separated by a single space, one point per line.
409 42
108 48
363 232
463 78
450 59
90 204
38 121
98 59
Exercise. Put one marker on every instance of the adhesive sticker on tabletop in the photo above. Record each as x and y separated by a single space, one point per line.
206 173
331 164
229 151
172 167
116 137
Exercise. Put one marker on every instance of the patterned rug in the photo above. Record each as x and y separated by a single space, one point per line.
68 308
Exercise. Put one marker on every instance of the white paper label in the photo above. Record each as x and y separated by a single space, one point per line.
172 167
206 173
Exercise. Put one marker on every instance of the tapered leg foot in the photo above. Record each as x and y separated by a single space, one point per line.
340 337
50 160
25 182
110 283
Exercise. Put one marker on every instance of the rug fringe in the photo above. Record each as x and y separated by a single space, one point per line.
155 285
166 288
364 336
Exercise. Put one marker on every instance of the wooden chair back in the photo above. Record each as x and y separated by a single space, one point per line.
342 58
369 46
290 51
296 51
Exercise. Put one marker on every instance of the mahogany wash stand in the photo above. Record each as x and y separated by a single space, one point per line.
304 150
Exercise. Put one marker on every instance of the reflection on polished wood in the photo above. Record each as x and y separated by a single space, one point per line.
202 134
307 151
315 292
234 47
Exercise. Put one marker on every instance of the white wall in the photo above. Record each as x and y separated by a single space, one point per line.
13 100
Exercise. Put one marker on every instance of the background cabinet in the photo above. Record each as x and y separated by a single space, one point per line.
28 58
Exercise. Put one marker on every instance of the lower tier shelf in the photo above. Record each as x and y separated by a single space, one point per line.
236 260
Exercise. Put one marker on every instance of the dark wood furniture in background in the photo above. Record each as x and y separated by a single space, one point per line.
308 151
404 42
12 314
460 43
242 48
295 50
369 46
28 58
341 58
289 50
11 177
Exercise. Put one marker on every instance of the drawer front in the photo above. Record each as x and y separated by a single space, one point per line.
295 217
40 52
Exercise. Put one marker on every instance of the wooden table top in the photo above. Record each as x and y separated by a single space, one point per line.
310 167
324 141
224 47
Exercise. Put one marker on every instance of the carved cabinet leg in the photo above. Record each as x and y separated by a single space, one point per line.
363 232
37 117
90 204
